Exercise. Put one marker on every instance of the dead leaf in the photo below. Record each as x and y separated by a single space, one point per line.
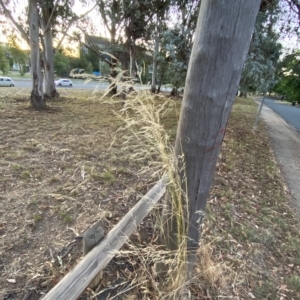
11 280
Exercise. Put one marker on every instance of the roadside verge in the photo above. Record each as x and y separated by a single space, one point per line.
286 145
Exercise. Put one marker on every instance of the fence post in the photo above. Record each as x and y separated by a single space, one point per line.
90 239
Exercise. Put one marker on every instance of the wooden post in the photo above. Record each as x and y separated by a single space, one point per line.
90 239
220 47
75 282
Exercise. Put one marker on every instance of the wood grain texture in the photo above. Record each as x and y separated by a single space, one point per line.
222 40
90 239
76 281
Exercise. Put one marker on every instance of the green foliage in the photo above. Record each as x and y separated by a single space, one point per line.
61 63
18 55
89 68
176 45
294 283
260 67
4 62
94 59
289 72
104 68
82 63
11 62
179 50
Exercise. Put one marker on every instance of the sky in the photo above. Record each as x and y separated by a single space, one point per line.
78 8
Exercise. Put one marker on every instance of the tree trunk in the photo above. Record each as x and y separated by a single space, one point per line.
113 88
221 44
156 45
37 96
50 89
46 21
173 92
132 70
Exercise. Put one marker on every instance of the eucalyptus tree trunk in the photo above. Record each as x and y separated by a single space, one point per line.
46 22
132 69
50 89
220 47
155 54
37 97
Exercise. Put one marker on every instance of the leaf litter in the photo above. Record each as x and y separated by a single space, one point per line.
61 173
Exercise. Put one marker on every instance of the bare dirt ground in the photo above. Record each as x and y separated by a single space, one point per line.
59 173
63 169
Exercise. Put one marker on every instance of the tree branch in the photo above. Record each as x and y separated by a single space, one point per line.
9 16
51 17
74 19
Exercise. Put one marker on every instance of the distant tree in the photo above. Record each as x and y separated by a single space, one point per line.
112 15
61 63
89 68
177 42
4 62
94 59
161 9
11 62
18 55
260 68
289 74
53 16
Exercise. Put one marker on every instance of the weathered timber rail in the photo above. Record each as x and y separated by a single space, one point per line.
78 279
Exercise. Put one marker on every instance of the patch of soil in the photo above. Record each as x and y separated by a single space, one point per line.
60 173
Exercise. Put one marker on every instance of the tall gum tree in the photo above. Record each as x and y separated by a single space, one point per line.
46 14
37 95
222 39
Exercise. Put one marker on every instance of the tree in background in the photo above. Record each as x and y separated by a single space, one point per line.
4 62
53 16
112 15
19 56
37 98
61 63
162 7
177 43
259 73
289 74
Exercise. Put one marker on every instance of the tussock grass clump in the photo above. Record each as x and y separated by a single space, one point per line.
142 114
150 121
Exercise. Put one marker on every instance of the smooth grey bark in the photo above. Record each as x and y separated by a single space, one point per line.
46 18
260 108
132 70
37 96
222 39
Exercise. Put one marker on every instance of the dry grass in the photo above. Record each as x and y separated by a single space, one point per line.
79 161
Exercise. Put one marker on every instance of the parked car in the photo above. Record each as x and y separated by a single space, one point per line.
6 81
63 82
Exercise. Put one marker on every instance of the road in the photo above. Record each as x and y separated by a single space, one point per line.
290 114
80 84
77 84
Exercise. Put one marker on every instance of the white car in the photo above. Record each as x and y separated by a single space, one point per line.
63 82
6 81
